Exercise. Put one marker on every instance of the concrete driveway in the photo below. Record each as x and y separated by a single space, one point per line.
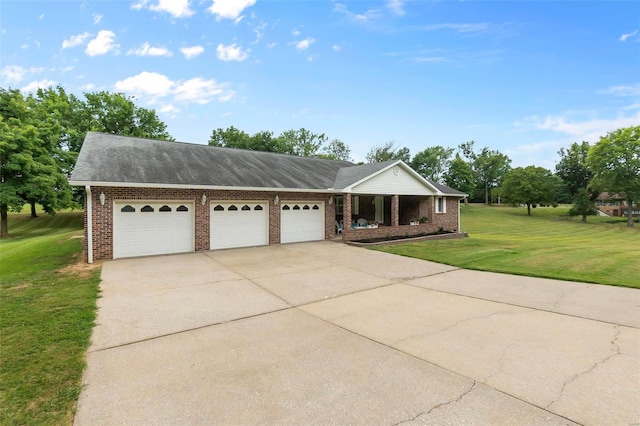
323 333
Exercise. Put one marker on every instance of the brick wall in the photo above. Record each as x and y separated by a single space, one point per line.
103 215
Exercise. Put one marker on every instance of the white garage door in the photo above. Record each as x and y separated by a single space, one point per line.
239 224
301 221
143 228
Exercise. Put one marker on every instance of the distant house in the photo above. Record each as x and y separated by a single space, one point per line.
615 205
150 197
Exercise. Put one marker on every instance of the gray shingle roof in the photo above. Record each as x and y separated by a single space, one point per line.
122 159
112 159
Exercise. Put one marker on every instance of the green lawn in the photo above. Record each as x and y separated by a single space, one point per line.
546 244
47 310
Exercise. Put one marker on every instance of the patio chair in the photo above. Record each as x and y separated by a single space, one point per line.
362 222
339 227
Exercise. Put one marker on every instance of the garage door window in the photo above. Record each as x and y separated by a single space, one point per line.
246 207
232 208
296 207
316 207
165 208
182 209
257 208
286 208
218 208
128 209
146 209
306 207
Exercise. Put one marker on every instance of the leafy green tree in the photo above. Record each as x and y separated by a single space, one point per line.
388 152
489 167
28 169
117 114
230 138
433 162
301 142
460 176
615 163
529 185
572 167
336 150
583 205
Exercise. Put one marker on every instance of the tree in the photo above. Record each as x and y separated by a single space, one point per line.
583 205
489 167
529 185
460 176
336 150
301 142
615 163
387 152
572 167
230 138
433 162
117 114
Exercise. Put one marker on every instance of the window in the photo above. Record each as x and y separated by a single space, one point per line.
286 207
356 204
296 207
441 205
315 207
218 208
232 208
246 207
127 209
146 209
257 208
306 207
182 208
339 205
164 208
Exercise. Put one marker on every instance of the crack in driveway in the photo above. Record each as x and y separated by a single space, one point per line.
436 407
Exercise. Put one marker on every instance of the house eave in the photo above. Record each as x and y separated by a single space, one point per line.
200 187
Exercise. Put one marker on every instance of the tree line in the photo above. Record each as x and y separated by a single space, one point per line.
41 135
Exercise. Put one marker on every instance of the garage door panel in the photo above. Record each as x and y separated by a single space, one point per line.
239 224
143 228
301 221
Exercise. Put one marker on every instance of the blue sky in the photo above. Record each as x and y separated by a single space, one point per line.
525 78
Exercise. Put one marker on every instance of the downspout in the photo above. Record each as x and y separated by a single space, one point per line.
459 230
89 208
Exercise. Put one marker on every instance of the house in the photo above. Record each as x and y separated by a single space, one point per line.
615 205
149 197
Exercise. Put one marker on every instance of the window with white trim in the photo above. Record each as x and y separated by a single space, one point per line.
441 205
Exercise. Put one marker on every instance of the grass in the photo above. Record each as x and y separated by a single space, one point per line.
547 244
47 311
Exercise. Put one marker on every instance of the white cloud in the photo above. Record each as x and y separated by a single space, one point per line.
170 110
75 40
303 44
624 37
296 33
146 83
590 129
396 6
97 18
102 44
229 9
201 91
41 17
192 51
154 86
367 16
35 85
147 50
259 30
461 28
231 53
175 8
337 48
633 90
310 58
12 74
88 87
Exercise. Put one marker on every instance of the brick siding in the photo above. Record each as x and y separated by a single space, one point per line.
103 215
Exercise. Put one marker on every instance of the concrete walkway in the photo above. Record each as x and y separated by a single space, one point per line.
323 333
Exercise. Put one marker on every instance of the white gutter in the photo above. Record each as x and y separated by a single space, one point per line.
89 208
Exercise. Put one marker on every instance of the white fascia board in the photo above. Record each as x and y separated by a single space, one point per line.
405 166
203 187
